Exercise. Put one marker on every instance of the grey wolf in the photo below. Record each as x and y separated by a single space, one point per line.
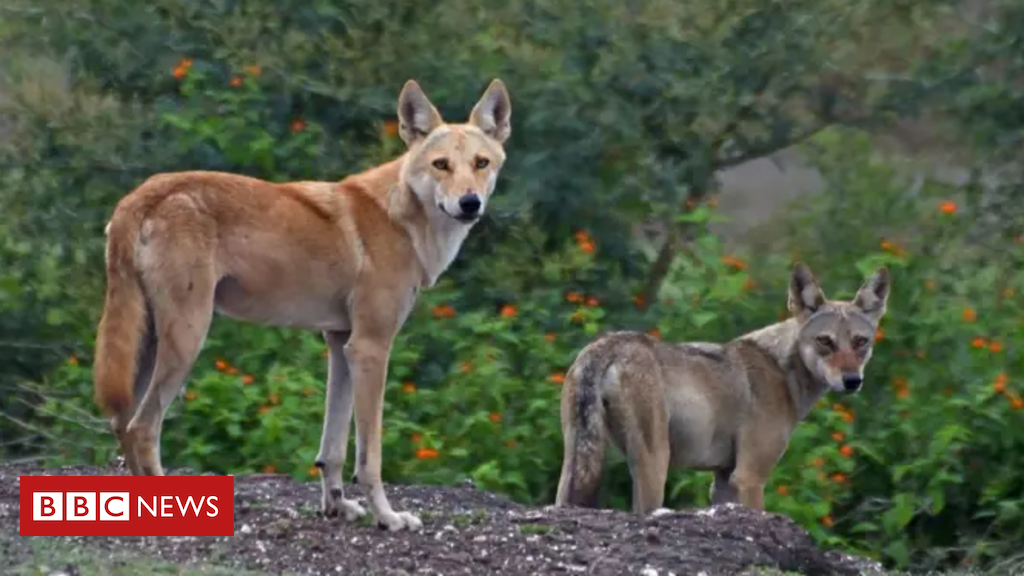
729 408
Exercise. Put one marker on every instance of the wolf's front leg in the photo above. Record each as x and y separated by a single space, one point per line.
722 489
337 422
367 358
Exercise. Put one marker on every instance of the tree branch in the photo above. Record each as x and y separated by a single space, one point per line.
769 148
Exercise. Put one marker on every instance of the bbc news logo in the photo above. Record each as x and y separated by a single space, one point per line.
127 505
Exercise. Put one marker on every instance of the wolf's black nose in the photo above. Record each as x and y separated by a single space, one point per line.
470 203
852 382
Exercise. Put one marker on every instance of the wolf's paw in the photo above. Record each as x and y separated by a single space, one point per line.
334 504
395 521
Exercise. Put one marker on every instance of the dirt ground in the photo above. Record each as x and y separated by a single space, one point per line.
278 530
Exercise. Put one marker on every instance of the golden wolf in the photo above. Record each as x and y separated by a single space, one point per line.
728 408
346 258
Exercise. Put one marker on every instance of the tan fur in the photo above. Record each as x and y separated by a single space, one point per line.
728 408
346 258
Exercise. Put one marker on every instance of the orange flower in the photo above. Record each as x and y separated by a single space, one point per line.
846 450
879 335
391 128
885 245
970 315
557 378
182 68
827 521
749 284
1017 403
782 490
232 371
978 342
73 360
587 247
592 302
269 469
466 367
444 311
298 125
838 436
508 311
416 437
1001 380
655 332
408 387
995 347
511 443
190 395
574 297
733 262
274 399
426 454
264 409
847 416
818 462
948 207
899 382
495 417
253 70
314 471
248 379
638 301
903 392
582 236
236 81
839 478
221 365
550 336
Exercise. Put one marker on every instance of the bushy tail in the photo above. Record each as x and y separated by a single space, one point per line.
125 344
584 434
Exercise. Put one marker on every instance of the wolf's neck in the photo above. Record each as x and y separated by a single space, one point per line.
779 342
435 236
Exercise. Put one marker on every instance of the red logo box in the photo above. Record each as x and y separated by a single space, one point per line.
127 505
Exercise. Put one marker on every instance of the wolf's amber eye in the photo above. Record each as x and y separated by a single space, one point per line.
441 164
482 163
824 341
859 341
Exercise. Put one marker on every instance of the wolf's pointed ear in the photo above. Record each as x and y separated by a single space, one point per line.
493 113
805 295
874 294
417 117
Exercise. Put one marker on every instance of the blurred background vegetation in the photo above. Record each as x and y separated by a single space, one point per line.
669 161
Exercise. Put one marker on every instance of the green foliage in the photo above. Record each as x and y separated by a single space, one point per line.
622 113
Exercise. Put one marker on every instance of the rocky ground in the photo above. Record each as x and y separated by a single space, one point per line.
279 530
